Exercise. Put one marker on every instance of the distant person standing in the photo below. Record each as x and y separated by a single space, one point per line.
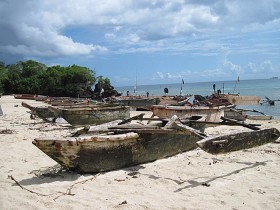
148 94
165 91
214 88
102 93
127 93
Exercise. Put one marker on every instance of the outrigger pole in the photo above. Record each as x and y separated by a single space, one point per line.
236 83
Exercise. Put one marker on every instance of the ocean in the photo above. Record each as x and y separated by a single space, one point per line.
260 87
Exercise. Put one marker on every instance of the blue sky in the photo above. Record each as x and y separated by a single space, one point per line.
160 41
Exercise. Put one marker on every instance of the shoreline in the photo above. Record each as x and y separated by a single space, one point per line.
247 179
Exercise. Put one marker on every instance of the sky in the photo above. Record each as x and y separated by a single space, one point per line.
146 41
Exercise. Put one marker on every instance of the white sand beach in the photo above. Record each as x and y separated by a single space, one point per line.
29 179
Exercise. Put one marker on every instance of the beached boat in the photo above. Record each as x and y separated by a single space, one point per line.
120 146
236 114
213 114
25 96
90 114
258 117
66 101
123 145
40 98
238 141
242 100
41 111
136 102
268 101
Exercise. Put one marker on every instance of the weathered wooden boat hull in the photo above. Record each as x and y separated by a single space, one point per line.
238 141
91 115
236 115
258 117
41 111
92 155
213 114
25 96
243 100
137 103
116 145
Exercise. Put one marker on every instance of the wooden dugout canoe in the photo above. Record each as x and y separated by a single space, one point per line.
136 103
213 114
25 96
235 114
119 146
258 117
242 100
91 114
238 141
41 111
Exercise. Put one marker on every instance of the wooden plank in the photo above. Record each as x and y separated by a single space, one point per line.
235 122
238 141
137 117
220 123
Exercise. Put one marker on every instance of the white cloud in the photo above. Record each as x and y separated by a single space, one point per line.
39 28
134 38
234 68
264 67
170 76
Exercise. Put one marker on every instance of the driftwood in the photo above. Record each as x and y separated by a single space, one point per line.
24 188
68 190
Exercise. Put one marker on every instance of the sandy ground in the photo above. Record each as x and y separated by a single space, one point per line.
29 179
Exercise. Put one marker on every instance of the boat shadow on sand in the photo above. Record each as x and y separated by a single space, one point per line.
49 175
58 174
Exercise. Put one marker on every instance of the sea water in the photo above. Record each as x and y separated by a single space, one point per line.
261 87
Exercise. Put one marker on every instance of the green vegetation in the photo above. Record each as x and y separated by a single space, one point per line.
31 77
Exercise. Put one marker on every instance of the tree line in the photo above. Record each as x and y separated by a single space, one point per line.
32 77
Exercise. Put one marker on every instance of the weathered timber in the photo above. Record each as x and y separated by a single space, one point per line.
137 117
95 153
212 113
119 146
242 100
136 102
79 116
41 111
258 117
235 114
240 123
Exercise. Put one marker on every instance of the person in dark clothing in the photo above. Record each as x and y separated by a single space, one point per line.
165 91
214 88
